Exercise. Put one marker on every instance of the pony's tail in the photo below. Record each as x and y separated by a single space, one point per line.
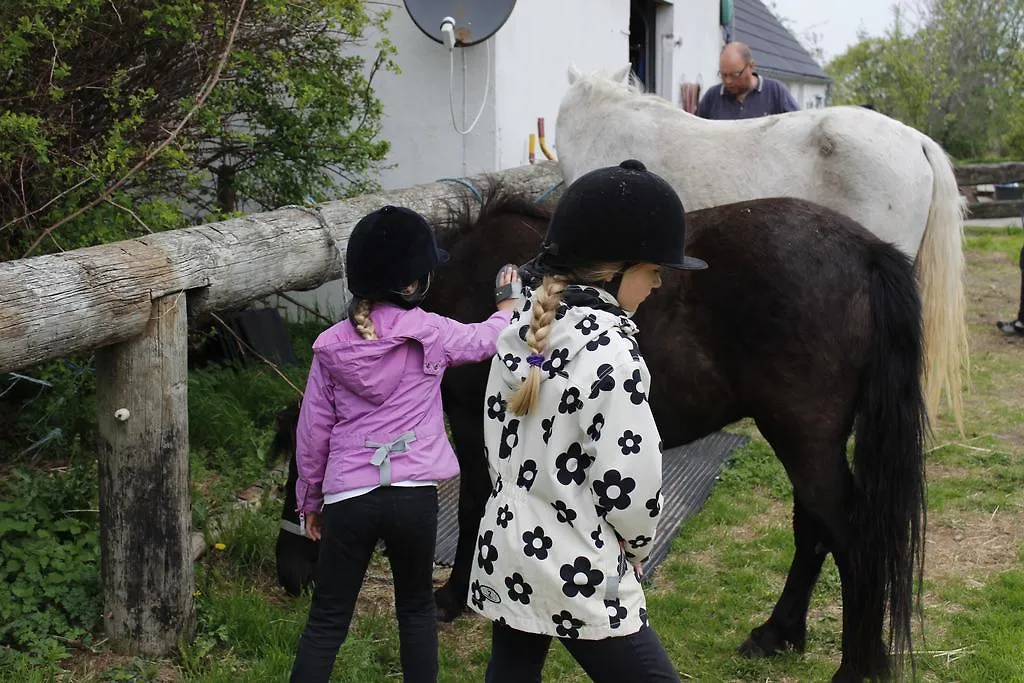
888 461
940 273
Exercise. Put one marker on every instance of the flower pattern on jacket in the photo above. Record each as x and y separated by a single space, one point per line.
572 465
594 430
518 589
536 544
509 439
580 578
566 625
556 362
604 382
487 553
570 402
527 474
630 442
613 491
496 407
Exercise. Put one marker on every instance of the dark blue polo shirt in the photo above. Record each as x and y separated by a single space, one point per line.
769 97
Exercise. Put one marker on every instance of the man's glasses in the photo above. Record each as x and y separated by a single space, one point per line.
732 75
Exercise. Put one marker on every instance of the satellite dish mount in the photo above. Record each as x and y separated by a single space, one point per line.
459 23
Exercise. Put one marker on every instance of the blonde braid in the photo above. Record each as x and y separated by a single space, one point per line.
549 296
362 322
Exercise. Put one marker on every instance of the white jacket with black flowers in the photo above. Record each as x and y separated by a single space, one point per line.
573 477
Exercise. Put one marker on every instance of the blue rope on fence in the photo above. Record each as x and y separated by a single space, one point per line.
465 183
548 192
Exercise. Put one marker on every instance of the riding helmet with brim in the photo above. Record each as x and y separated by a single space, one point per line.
389 249
618 213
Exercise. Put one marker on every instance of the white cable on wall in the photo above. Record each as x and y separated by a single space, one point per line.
451 83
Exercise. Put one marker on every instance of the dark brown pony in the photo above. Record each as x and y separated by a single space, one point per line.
804 322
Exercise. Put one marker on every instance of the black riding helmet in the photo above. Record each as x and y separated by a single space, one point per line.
618 213
389 249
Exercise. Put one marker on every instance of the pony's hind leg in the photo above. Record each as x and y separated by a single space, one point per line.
823 515
786 628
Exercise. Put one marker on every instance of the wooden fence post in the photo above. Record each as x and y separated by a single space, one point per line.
145 501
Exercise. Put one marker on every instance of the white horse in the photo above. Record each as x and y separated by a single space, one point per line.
897 182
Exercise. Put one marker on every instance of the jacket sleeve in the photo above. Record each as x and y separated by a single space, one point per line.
313 439
623 442
473 342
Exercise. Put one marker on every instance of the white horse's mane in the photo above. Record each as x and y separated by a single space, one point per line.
622 84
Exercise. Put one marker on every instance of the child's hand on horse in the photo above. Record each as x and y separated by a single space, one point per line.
507 288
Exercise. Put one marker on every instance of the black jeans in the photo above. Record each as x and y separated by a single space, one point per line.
518 657
1020 308
406 518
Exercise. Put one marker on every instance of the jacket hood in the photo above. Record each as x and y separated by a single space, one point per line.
586 318
355 363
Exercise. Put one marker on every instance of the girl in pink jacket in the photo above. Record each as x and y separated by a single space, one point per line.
371 443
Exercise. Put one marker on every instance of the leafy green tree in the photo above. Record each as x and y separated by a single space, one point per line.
947 73
152 114
1013 138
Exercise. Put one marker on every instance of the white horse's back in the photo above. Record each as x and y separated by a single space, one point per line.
892 179
851 159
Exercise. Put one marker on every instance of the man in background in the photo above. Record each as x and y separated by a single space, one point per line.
743 93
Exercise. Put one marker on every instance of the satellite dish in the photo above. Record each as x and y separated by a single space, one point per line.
475 20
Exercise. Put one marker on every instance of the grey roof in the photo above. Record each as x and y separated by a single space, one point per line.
775 50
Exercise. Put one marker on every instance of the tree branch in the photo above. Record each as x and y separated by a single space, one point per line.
204 93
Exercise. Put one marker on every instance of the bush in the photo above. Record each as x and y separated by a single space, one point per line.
49 544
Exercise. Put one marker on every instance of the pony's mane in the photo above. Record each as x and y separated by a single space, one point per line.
496 199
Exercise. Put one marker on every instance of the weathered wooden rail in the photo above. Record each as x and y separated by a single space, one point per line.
970 175
130 301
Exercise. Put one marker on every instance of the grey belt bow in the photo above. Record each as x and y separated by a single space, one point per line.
382 455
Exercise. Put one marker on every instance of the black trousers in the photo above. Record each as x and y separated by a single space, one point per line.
518 657
1020 308
406 519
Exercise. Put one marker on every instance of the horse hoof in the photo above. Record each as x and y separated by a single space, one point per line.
765 641
752 650
448 610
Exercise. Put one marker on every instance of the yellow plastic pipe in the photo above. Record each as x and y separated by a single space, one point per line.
543 144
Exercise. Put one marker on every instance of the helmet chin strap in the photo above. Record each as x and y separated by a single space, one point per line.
413 300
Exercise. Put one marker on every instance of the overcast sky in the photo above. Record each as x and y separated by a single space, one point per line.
836 20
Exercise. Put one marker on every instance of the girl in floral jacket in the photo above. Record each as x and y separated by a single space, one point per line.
573 450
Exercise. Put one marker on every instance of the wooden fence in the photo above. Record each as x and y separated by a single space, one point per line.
130 302
969 176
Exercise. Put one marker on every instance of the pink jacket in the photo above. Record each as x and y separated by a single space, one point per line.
372 409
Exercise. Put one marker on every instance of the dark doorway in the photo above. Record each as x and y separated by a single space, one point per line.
642 42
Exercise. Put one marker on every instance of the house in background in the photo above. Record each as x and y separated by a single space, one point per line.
520 74
778 54
515 77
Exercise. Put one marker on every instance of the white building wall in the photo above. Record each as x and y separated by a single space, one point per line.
529 60
807 93
535 48
695 46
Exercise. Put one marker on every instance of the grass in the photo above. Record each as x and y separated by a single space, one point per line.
722 578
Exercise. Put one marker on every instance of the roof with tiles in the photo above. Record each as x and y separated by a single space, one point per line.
775 50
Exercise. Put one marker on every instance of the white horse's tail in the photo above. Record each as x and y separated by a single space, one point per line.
940 269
